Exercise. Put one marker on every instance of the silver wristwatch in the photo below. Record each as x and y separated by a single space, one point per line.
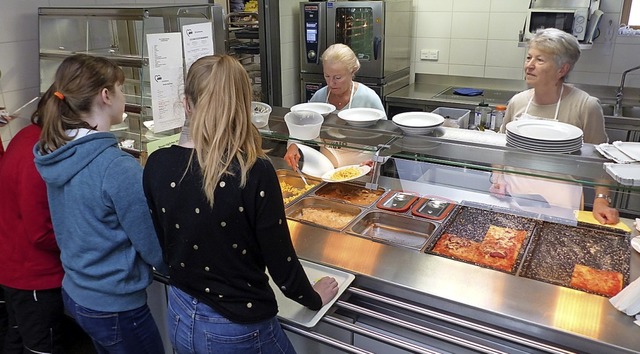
605 197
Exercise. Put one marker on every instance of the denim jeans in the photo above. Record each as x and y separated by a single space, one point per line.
195 328
127 332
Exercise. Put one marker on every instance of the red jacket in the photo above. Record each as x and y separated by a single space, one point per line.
29 255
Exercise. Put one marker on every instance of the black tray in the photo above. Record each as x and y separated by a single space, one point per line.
557 248
473 223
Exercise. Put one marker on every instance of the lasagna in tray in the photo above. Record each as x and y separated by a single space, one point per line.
498 250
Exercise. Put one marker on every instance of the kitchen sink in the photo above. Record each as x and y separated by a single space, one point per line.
626 111
492 97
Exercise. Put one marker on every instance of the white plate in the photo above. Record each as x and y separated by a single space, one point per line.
418 119
628 173
363 171
544 130
293 311
361 117
315 163
628 148
635 243
322 108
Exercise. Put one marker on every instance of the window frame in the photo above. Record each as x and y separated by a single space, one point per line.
626 12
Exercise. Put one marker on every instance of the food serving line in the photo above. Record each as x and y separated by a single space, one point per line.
406 299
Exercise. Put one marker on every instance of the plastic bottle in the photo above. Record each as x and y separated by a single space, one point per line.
497 117
481 116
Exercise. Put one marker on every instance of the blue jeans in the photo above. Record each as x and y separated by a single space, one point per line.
127 332
195 328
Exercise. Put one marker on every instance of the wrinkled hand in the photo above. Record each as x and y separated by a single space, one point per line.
604 213
292 157
327 288
499 187
367 163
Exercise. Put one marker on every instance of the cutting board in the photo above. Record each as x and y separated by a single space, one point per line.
587 217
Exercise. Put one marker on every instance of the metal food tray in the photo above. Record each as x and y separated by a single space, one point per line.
293 179
395 229
557 248
347 192
295 211
473 223
293 311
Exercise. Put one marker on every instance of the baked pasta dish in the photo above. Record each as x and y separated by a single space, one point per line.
349 193
290 193
325 217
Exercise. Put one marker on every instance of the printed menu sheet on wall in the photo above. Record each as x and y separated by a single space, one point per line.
167 80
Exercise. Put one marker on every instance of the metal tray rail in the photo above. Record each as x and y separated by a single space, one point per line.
557 248
472 223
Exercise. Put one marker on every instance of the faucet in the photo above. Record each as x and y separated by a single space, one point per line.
617 109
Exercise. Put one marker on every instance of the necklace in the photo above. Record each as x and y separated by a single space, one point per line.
347 97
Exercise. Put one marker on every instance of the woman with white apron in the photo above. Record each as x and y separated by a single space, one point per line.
339 66
551 55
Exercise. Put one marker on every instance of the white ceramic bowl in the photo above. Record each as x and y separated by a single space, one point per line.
322 108
361 117
260 113
304 125
417 123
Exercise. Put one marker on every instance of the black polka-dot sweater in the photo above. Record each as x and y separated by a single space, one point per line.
218 255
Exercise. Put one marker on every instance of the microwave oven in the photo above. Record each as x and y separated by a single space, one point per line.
572 21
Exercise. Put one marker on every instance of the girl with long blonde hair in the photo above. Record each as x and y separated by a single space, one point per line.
217 207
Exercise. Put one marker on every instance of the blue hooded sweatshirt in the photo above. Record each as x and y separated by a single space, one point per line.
102 223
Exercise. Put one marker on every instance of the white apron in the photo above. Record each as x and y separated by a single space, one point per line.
557 193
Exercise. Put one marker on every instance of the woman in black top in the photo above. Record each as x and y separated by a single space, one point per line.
218 211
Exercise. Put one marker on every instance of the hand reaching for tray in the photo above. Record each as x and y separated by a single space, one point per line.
327 288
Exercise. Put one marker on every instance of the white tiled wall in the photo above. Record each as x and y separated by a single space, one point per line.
475 38
479 38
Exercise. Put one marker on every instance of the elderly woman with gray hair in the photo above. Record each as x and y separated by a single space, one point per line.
551 55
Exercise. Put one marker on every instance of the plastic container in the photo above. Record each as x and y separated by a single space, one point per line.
482 114
260 113
304 125
497 117
461 116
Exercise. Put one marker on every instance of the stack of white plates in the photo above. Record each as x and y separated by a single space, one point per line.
544 136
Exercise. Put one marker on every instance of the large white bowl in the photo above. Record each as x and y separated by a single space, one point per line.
361 117
322 108
417 123
304 125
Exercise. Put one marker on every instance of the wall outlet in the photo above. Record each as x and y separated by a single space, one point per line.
429 54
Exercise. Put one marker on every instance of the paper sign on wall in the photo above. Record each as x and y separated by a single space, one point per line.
167 80
197 41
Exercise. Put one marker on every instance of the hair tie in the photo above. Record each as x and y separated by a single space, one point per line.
59 95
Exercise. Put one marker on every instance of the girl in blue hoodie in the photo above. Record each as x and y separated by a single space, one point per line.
98 208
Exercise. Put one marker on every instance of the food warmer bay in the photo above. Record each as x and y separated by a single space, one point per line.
349 193
556 249
293 187
394 229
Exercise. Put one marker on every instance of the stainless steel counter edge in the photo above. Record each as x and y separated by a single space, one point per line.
564 316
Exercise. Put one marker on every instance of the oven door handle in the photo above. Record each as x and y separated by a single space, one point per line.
377 45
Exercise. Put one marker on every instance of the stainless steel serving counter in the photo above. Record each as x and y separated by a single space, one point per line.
537 316
560 317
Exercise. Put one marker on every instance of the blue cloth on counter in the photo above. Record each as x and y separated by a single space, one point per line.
468 91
